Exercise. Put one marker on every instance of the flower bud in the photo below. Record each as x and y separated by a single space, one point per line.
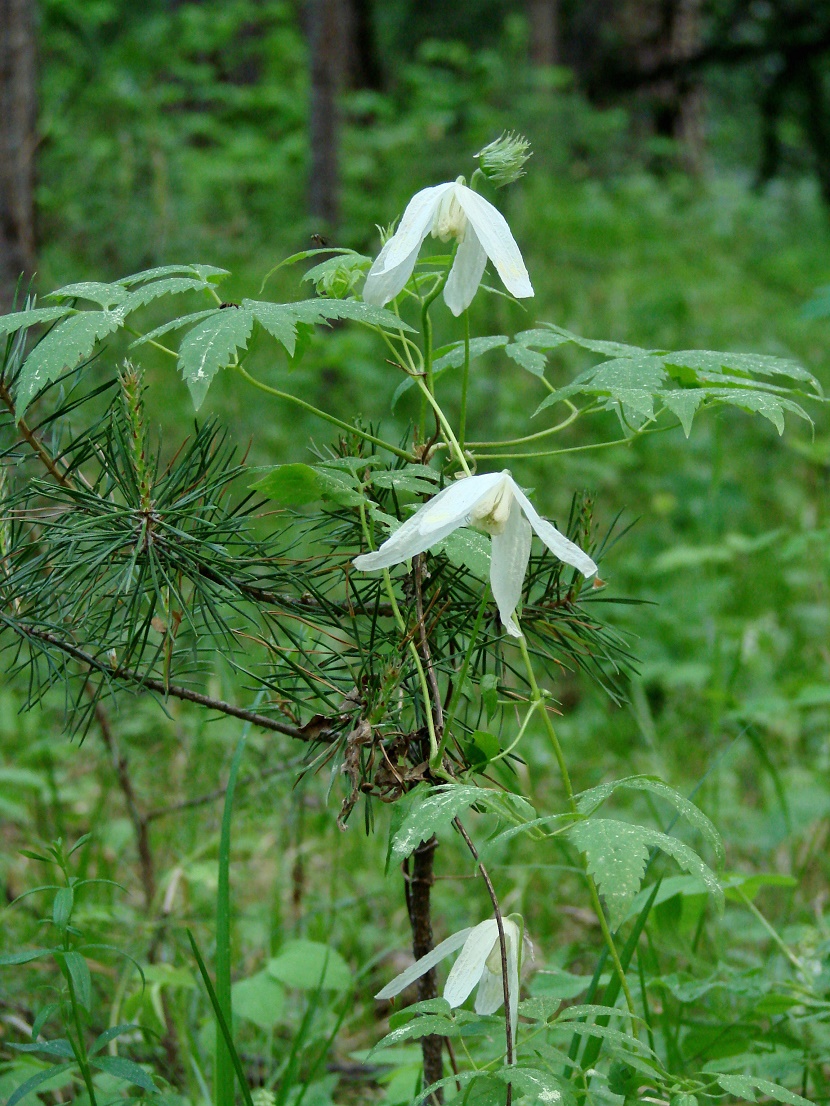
502 161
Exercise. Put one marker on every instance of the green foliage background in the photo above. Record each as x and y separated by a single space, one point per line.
179 133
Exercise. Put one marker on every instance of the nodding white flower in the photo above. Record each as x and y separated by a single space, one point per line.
478 965
449 211
495 503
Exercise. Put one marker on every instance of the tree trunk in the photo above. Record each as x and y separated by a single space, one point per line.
325 26
543 24
362 65
18 122
689 121
419 889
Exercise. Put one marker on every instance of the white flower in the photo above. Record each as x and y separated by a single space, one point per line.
479 964
449 211
496 504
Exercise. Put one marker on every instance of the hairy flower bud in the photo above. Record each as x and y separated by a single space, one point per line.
503 160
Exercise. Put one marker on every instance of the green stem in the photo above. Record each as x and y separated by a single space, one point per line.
575 448
574 415
434 753
426 329
80 1049
457 693
537 697
465 380
452 441
323 414
152 342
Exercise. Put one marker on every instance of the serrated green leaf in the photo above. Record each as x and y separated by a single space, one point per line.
278 319
431 809
125 1069
540 1085
590 800
452 356
745 1086
425 1025
610 349
418 479
617 852
747 364
769 406
428 810
528 359
202 271
172 286
616 858
174 324
345 259
489 688
105 295
18 320
468 549
69 342
684 403
210 346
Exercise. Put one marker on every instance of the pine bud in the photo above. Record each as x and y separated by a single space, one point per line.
503 160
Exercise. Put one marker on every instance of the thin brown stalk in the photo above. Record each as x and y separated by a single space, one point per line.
508 1021
129 676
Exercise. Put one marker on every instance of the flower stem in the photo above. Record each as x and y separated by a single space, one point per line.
574 415
434 758
537 697
323 415
452 441
505 979
576 448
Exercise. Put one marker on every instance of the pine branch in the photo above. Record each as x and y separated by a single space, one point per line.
129 676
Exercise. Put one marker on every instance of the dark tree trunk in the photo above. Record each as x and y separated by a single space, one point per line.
18 123
325 38
689 120
419 889
817 122
543 24
362 67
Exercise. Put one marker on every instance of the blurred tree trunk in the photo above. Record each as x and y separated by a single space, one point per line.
325 26
689 126
362 65
543 24
662 34
18 123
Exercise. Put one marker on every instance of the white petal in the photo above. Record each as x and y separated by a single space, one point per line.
432 523
382 284
468 968
510 552
490 993
557 543
512 942
499 244
466 272
394 264
422 966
